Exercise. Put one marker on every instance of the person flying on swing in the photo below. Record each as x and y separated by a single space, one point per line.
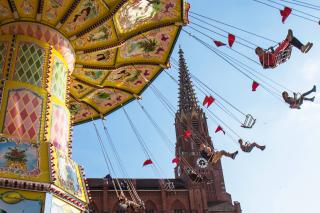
214 156
295 102
125 203
268 59
247 147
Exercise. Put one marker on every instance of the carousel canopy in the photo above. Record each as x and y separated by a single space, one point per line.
119 46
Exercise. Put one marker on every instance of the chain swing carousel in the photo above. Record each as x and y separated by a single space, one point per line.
64 63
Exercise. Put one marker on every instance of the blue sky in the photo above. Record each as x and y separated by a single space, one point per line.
283 178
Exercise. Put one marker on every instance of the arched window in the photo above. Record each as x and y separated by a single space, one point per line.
178 207
150 207
93 208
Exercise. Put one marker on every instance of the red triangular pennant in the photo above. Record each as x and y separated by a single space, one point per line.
255 85
147 162
176 160
205 101
219 43
187 134
285 13
210 100
219 128
231 39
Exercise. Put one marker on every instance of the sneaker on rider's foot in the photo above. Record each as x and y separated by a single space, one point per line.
307 47
234 155
312 99
290 35
262 148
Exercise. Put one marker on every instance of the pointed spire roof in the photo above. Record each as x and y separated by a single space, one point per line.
187 98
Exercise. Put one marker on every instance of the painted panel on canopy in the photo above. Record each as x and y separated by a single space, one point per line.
99 58
59 126
154 46
106 99
16 200
131 78
5 42
53 10
91 76
5 12
112 3
59 74
86 13
62 207
23 160
81 111
68 176
23 114
78 89
104 35
27 9
136 15
30 61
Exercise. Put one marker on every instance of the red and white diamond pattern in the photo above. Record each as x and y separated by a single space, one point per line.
23 115
59 128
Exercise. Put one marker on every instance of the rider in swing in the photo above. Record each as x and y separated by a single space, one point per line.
125 203
269 59
196 177
296 102
247 147
214 156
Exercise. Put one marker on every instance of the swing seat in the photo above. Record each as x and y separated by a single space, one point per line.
282 56
298 102
169 186
248 122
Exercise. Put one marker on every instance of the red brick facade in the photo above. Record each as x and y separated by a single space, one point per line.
157 200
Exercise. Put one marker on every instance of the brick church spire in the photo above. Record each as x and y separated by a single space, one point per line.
187 99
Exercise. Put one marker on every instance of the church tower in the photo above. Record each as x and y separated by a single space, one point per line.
192 118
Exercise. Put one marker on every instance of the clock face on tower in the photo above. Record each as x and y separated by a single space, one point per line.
202 163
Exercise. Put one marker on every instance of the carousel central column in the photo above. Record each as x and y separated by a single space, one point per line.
36 170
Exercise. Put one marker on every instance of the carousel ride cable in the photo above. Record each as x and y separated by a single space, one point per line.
120 163
144 147
207 88
225 31
214 117
241 54
170 108
294 14
214 50
229 61
103 150
218 103
215 32
257 72
250 69
303 4
190 127
165 138
306 3
302 12
108 161
234 27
